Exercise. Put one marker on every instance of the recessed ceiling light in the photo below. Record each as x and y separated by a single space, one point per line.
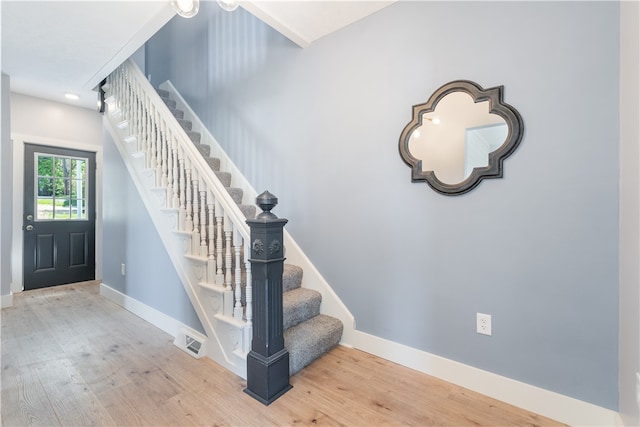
72 96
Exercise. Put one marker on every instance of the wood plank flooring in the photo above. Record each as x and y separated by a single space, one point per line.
73 358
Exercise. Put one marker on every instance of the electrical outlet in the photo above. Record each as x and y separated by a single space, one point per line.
483 324
122 269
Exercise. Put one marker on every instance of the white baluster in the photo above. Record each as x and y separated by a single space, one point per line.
219 246
145 131
129 99
195 236
182 213
228 259
158 137
138 116
149 139
154 139
170 161
125 96
188 221
137 128
133 125
141 118
203 221
176 181
248 312
211 263
249 284
237 247
164 181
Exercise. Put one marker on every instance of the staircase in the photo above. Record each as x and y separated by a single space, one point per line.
199 214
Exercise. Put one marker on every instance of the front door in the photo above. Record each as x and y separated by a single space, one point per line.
59 216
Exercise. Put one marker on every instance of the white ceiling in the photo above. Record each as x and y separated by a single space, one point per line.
52 47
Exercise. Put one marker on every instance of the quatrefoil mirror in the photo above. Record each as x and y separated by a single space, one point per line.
460 136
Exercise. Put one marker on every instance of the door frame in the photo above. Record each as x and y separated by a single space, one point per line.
17 245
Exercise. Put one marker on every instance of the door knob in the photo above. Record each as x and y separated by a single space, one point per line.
29 227
29 217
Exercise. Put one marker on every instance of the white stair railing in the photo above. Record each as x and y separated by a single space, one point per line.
214 225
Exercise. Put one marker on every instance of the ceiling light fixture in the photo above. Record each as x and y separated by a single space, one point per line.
228 5
186 8
71 96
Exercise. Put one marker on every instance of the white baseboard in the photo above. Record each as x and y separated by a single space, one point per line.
158 319
6 300
543 402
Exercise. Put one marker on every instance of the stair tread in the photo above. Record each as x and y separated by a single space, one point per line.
249 211
170 102
236 194
186 124
195 137
299 305
292 277
309 340
214 163
224 177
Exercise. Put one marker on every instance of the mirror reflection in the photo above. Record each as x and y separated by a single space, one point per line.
457 137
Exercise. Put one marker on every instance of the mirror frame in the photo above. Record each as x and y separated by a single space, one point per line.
496 158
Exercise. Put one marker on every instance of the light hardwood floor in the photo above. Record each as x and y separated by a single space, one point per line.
73 358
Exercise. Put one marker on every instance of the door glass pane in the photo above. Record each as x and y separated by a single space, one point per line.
62 210
44 208
61 188
45 187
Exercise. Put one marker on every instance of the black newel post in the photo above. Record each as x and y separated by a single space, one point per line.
268 360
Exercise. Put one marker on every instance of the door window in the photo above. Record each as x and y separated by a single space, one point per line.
61 184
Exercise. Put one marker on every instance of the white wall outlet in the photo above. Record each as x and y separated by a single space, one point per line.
122 269
483 323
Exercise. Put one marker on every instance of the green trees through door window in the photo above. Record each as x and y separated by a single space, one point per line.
61 188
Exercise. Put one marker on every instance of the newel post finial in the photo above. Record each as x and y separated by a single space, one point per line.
266 201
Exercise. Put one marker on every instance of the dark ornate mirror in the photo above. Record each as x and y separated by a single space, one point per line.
460 136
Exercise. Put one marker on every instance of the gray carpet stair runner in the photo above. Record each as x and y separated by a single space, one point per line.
307 333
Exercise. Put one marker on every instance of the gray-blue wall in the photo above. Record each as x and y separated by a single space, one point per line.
131 238
319 127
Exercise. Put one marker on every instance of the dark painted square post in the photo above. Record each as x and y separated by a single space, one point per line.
268 360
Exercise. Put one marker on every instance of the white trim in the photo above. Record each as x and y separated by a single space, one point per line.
18 141
156 318
543 402
6 300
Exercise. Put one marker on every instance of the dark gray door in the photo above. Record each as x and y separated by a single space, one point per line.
59 216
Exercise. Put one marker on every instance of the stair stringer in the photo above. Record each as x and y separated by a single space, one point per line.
331 304
231 338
